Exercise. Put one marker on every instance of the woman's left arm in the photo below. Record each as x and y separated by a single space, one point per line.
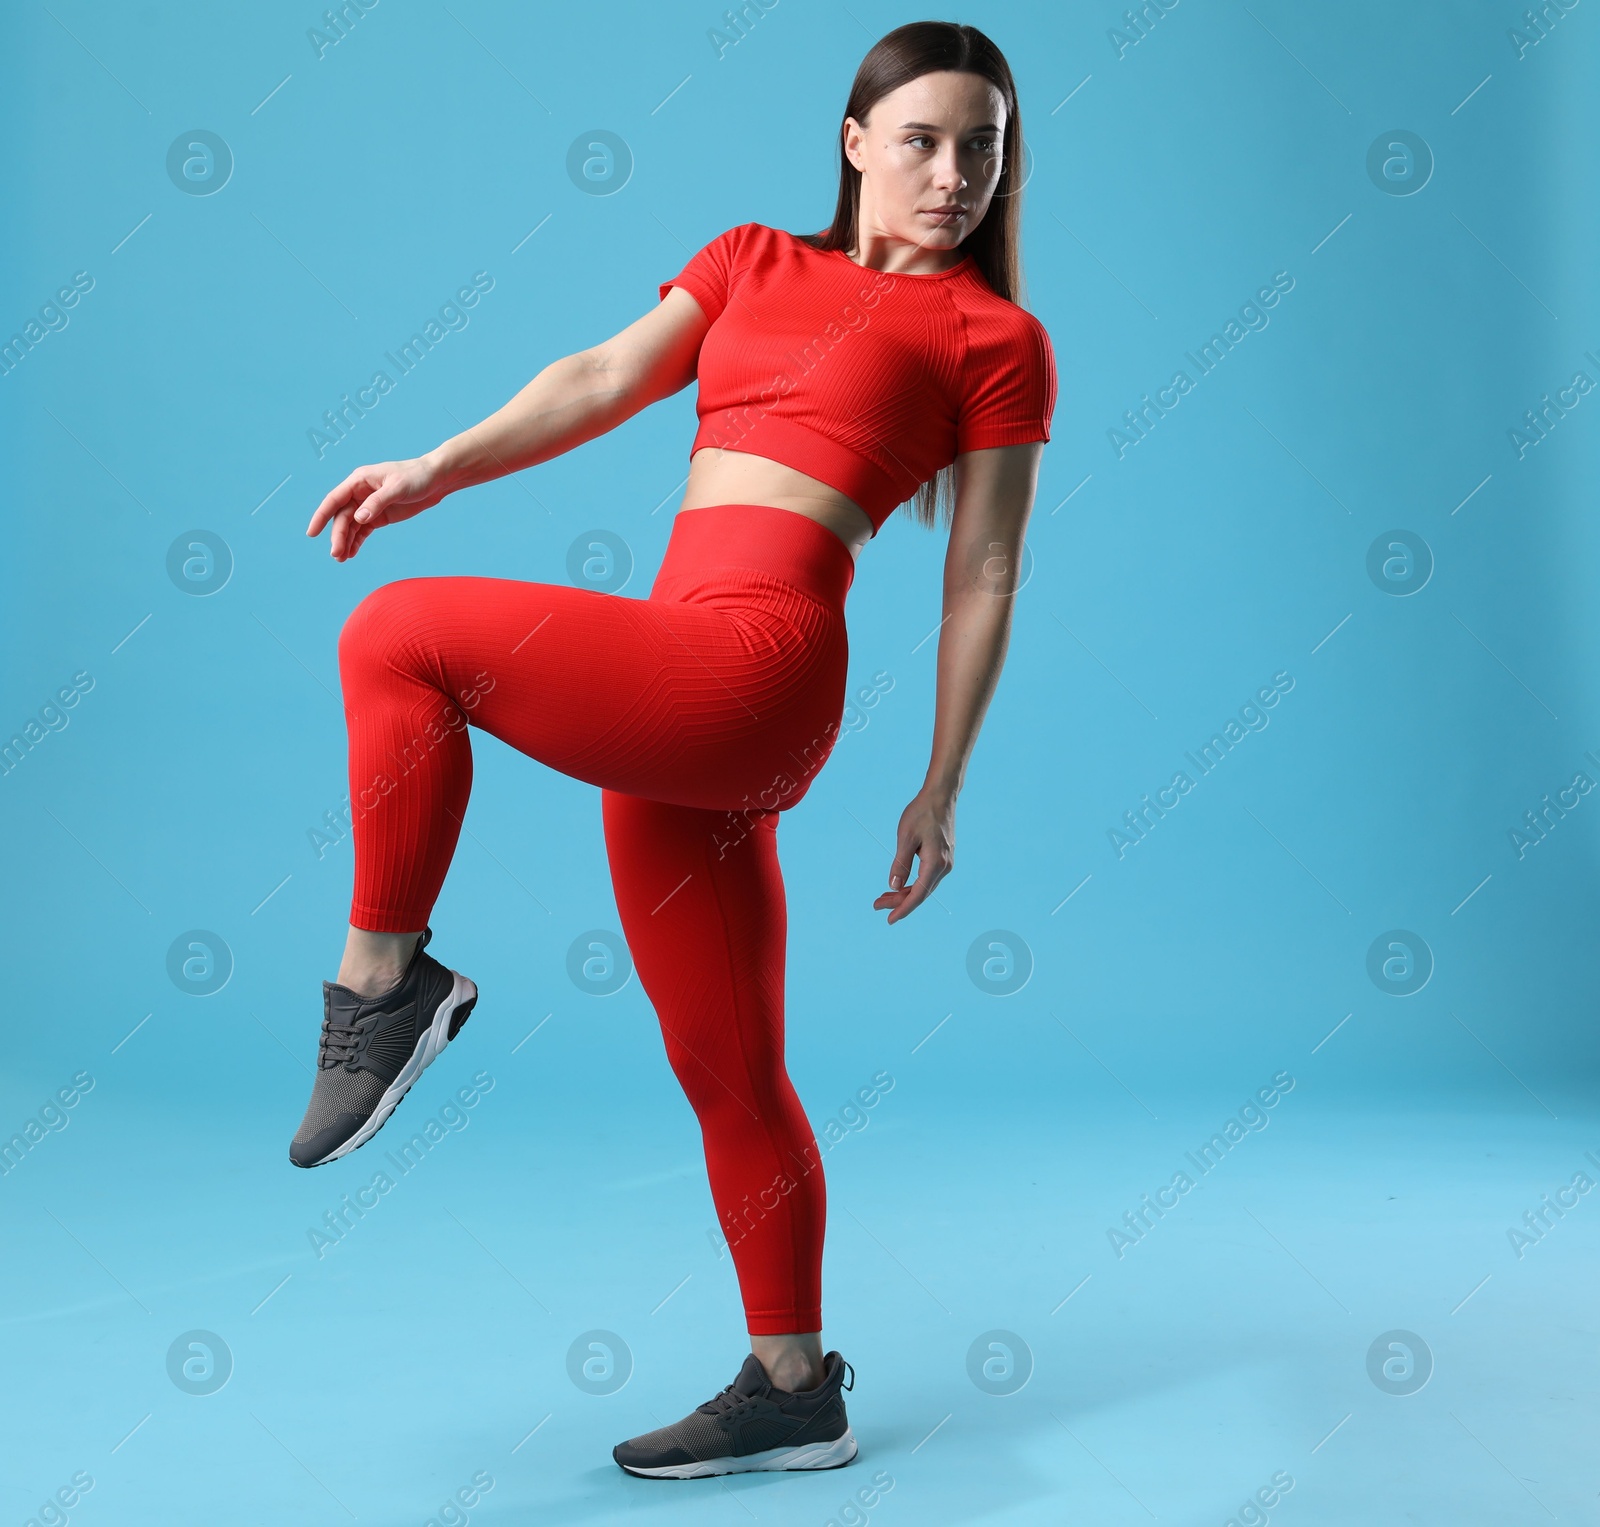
994 496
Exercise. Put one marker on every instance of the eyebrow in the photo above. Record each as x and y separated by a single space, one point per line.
933 128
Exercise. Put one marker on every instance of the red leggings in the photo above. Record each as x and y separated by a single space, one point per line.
701 712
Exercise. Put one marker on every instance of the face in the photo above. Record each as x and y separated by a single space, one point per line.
930 156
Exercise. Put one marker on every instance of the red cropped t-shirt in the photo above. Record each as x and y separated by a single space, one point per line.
867 381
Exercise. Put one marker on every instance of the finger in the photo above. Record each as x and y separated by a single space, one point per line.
900 869
912 899
915 895
373 510
928 876
346 495
356 539
343 534
339 534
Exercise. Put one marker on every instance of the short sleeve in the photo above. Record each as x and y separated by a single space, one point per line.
1012 390
709 275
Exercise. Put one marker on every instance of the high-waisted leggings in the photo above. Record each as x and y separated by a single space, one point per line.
701 712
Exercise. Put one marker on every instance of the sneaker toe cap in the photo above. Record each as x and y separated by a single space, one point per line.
312 1150
645 1453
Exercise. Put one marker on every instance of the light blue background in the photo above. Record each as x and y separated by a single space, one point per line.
1232 543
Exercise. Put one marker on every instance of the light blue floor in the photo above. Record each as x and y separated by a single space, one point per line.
1227 1347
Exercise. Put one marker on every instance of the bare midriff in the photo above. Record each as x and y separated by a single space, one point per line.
736 477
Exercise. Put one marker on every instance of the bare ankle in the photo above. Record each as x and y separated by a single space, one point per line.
796 1380
369 980
792 1362
375 963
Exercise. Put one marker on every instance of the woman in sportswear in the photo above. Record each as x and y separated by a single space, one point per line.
840 375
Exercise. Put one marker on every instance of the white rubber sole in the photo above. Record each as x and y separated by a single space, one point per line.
429 1048
812 1455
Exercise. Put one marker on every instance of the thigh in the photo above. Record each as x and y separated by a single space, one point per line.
685 702
703 910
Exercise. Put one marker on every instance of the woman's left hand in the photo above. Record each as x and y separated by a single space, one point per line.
928 832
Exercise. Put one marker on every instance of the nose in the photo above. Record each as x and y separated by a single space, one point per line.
947 174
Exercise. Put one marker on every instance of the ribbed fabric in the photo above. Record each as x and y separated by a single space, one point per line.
867 381
704 914
701 712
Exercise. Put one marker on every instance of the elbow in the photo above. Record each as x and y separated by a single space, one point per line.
604 378
987 590
611 390
1004 570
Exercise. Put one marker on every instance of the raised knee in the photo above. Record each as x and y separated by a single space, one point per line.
379 622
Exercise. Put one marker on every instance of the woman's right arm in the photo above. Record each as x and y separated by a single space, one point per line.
572 400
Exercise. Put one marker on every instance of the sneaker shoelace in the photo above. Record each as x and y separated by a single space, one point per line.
727 1401
341 1042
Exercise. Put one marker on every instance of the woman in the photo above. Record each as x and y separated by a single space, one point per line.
840 375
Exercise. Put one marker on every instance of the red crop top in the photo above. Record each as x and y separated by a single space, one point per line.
867 381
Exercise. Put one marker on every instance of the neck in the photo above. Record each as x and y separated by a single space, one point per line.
878 249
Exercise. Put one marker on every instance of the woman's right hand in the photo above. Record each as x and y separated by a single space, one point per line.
377 495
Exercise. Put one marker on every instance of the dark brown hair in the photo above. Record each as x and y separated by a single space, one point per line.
900 56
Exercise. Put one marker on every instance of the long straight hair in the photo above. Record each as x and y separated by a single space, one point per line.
905 54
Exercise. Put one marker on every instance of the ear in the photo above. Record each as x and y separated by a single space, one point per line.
853 134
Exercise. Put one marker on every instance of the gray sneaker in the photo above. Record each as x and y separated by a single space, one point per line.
373 1049
751 1426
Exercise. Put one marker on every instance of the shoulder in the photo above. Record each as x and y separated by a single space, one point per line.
1031 329
1000 332
744 247
997 317
731 261
1009 374
1032 339
749 237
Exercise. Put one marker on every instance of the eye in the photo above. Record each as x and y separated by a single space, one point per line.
919 138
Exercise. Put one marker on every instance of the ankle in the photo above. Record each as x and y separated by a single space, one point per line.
796 1379
792 1365
370 980
375 963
